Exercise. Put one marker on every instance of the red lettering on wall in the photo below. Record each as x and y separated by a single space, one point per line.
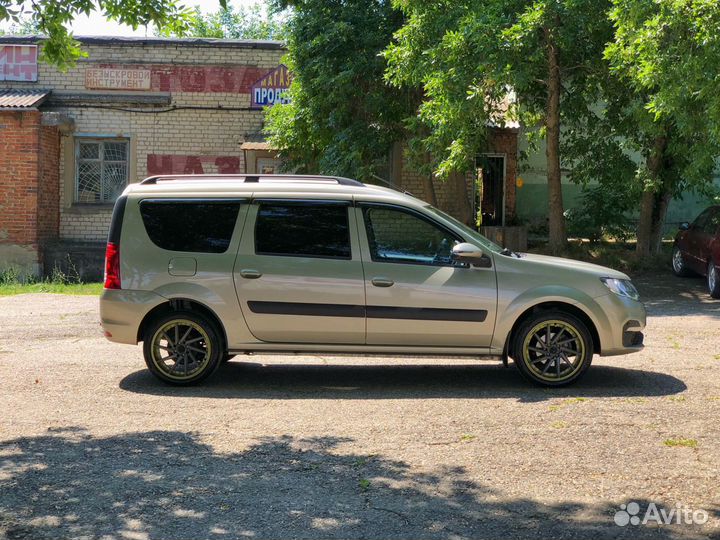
228 165
158 164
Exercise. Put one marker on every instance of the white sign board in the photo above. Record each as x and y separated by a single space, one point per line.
117 79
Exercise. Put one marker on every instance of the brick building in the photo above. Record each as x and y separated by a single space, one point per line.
134 107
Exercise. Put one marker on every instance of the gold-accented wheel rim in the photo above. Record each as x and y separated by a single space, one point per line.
181 349
553 351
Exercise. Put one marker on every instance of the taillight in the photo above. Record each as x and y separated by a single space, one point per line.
112 266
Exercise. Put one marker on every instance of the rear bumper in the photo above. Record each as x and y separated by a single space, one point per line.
122 311
626 322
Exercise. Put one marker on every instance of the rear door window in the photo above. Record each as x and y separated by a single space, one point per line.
193 225
303 229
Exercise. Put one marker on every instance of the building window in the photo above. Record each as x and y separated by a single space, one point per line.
102 169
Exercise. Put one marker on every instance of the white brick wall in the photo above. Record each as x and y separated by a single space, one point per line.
180 132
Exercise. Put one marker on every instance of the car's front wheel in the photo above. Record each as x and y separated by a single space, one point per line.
552 348
182 347
679 267
713 280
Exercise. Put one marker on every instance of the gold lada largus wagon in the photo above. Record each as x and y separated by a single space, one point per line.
202 268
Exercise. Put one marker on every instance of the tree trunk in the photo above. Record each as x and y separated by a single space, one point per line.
556 219
461 192
429 190
654 203
398 163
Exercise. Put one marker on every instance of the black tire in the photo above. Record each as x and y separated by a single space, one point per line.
679 267
188 334
226 358
566 361
713 280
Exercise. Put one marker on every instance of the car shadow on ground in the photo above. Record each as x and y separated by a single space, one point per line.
168 484
247 380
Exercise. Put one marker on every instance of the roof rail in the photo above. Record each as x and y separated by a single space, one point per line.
250 177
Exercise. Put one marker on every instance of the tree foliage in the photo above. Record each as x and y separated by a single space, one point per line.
662 102
255 21
469 56
343 119
52 18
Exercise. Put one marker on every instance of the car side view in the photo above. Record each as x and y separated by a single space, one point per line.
697 249
202 268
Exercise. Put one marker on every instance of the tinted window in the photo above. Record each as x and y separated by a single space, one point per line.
303 230
398 236
713 222
204 226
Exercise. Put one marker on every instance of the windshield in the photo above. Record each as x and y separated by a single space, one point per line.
474 235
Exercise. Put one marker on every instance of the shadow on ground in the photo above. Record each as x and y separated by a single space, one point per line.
166 484
300 381
666 295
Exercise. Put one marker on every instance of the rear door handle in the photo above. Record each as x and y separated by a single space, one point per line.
382 282
248 273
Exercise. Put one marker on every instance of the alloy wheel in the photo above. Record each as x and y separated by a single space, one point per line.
553 350
181 348
677 261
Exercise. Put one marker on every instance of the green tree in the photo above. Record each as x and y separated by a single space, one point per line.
255 21
343 119
665 100
469 56
52 18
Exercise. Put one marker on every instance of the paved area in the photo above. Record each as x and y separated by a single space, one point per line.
91 446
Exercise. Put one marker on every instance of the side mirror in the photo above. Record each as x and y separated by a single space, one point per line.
468 253
684 226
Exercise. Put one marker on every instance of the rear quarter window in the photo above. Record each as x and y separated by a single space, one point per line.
200 226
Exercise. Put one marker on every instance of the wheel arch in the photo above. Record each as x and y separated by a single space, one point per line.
182 304
568 308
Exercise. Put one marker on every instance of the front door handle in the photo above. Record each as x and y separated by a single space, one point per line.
382 282
248 273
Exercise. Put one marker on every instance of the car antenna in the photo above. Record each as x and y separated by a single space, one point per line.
390 184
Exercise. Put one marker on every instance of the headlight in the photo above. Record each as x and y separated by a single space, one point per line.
621 287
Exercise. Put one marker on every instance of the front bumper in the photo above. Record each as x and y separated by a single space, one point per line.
626 320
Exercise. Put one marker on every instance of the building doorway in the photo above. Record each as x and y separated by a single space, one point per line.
490 200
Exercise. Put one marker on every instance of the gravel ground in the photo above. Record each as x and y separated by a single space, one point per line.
91 446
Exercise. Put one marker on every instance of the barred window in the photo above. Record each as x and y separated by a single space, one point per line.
102 169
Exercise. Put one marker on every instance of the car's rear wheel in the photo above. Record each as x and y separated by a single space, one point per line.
679 267
552 348
182 347
713 280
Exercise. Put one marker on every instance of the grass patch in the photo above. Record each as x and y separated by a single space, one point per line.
466 437
364 484
13 281
560 425
49 287
688 443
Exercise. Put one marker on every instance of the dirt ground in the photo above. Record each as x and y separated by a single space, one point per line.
91 446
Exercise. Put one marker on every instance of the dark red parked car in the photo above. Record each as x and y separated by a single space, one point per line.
697 249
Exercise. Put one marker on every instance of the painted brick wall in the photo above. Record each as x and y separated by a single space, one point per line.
199 76
29 180
48 184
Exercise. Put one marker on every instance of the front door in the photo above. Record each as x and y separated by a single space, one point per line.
298 274
416 295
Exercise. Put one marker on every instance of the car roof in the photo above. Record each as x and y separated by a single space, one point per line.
260 185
